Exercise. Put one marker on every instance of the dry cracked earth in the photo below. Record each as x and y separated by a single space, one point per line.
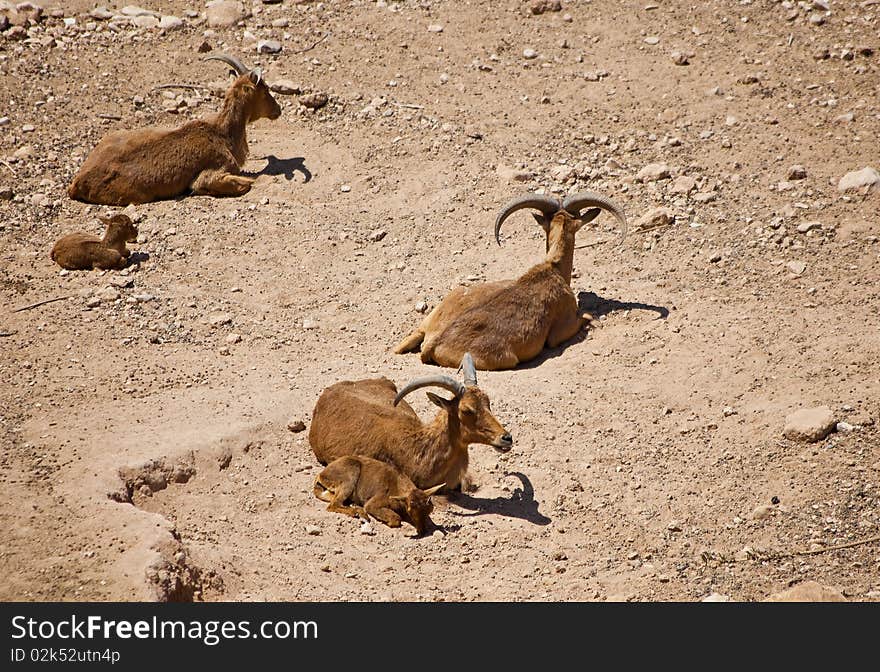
144 415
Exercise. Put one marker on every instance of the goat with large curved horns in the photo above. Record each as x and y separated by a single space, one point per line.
203 156
370 418
508 322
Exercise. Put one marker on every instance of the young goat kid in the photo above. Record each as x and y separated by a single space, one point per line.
370 418
508 322
84 252
204 156
374 488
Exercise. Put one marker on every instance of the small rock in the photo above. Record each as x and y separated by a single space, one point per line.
716 597
796 267
296 426
314 101
378 235
170 22
809 591
679 58
28 128
205 47
313 530
529 53
367 528
674 526
219 319
145 21
6 194
809 424
224 13
101 13
727 411
762 512
653 219
309 323
796 172
715 258
435 28
107 294
866 177
345 188
683 185
652 39
844 427
803 227
653 172
268 47
232 339
285 87
421 307
540 6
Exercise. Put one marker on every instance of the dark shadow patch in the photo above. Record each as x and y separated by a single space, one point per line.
286 167
521 503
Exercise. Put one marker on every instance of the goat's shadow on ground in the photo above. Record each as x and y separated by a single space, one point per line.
520 504
286 167
597 306
135 258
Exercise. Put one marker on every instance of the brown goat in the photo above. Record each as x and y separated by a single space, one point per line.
508 322
374 488
368 417
84 252
203 156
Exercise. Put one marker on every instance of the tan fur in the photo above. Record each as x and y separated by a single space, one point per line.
204 156
505 323
361 486
359 418
84 252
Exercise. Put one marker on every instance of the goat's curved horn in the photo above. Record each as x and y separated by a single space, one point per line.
468 370
587 199
431 491
446 382
231 61
548 206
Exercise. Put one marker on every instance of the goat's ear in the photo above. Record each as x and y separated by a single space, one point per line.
397 499
542 221
437 400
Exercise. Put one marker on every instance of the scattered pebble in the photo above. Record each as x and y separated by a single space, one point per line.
296 426
313 530
529 53
268 47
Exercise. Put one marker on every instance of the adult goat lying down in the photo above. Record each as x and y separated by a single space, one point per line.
204 156
508 322
370 418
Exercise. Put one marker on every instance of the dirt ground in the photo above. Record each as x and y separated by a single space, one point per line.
145 448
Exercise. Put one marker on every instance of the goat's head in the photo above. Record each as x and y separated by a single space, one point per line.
419 506
120 227
562 220
261 102
469 406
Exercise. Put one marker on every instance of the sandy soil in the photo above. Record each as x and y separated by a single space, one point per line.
145 449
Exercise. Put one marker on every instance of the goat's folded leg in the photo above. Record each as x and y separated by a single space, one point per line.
565 329
221 183
379 508
410 343
108 258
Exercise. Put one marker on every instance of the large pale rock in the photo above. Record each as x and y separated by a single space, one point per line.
224 13
808 591
866 177
809 424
